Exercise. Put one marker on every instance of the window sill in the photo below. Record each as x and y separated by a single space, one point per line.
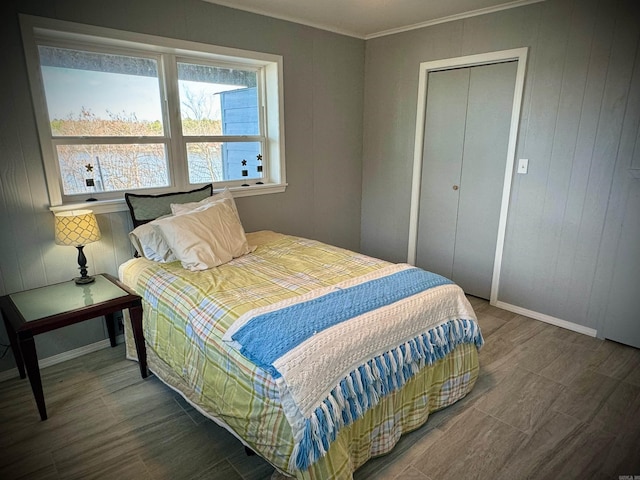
119 205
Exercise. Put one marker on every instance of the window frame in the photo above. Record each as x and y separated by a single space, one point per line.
168 52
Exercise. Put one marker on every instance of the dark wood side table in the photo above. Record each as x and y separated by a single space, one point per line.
43 309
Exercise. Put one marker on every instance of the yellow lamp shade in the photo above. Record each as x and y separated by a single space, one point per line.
76 227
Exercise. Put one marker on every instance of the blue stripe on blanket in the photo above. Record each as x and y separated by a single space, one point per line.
267 337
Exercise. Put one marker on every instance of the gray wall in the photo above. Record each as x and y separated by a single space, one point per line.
323 79
579 128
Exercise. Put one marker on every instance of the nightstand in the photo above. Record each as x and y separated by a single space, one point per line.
47 308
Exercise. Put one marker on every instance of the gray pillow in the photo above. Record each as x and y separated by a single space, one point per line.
145 208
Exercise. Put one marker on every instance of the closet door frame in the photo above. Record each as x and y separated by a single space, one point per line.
517 54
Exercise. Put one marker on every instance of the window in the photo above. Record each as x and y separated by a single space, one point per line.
220 118
118 111
105 120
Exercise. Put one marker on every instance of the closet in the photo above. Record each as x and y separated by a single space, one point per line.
468 116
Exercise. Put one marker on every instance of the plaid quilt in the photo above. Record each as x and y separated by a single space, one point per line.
186 314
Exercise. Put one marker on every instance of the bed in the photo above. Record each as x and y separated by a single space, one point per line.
315 357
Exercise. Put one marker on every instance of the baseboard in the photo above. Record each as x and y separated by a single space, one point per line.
64 356
547 319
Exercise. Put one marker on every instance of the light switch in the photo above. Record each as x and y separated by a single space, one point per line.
523 165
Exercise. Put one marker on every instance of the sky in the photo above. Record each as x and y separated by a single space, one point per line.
68 90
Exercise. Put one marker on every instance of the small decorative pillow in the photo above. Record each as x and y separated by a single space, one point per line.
205 238
145 208
150 244
181 208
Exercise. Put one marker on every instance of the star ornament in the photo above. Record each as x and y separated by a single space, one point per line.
259 157
89 167
244 163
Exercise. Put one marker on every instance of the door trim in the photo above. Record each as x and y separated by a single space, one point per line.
517 54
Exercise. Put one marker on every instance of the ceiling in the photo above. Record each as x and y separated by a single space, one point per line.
371 18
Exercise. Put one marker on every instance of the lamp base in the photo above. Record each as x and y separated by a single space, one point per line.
82 262
84 280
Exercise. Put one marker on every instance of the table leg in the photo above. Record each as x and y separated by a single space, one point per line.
28 347
111 328
13 341
135 313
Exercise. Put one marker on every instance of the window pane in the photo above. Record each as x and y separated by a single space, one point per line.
215 162
108 168
218 101
96 94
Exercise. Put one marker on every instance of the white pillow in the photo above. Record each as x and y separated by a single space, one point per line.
182 208
150 244
205 238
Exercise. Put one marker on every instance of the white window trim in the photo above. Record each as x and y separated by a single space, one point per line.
32 26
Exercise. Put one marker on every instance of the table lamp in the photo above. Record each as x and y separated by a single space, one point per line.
77 228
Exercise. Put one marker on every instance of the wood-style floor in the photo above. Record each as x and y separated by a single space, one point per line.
549 403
